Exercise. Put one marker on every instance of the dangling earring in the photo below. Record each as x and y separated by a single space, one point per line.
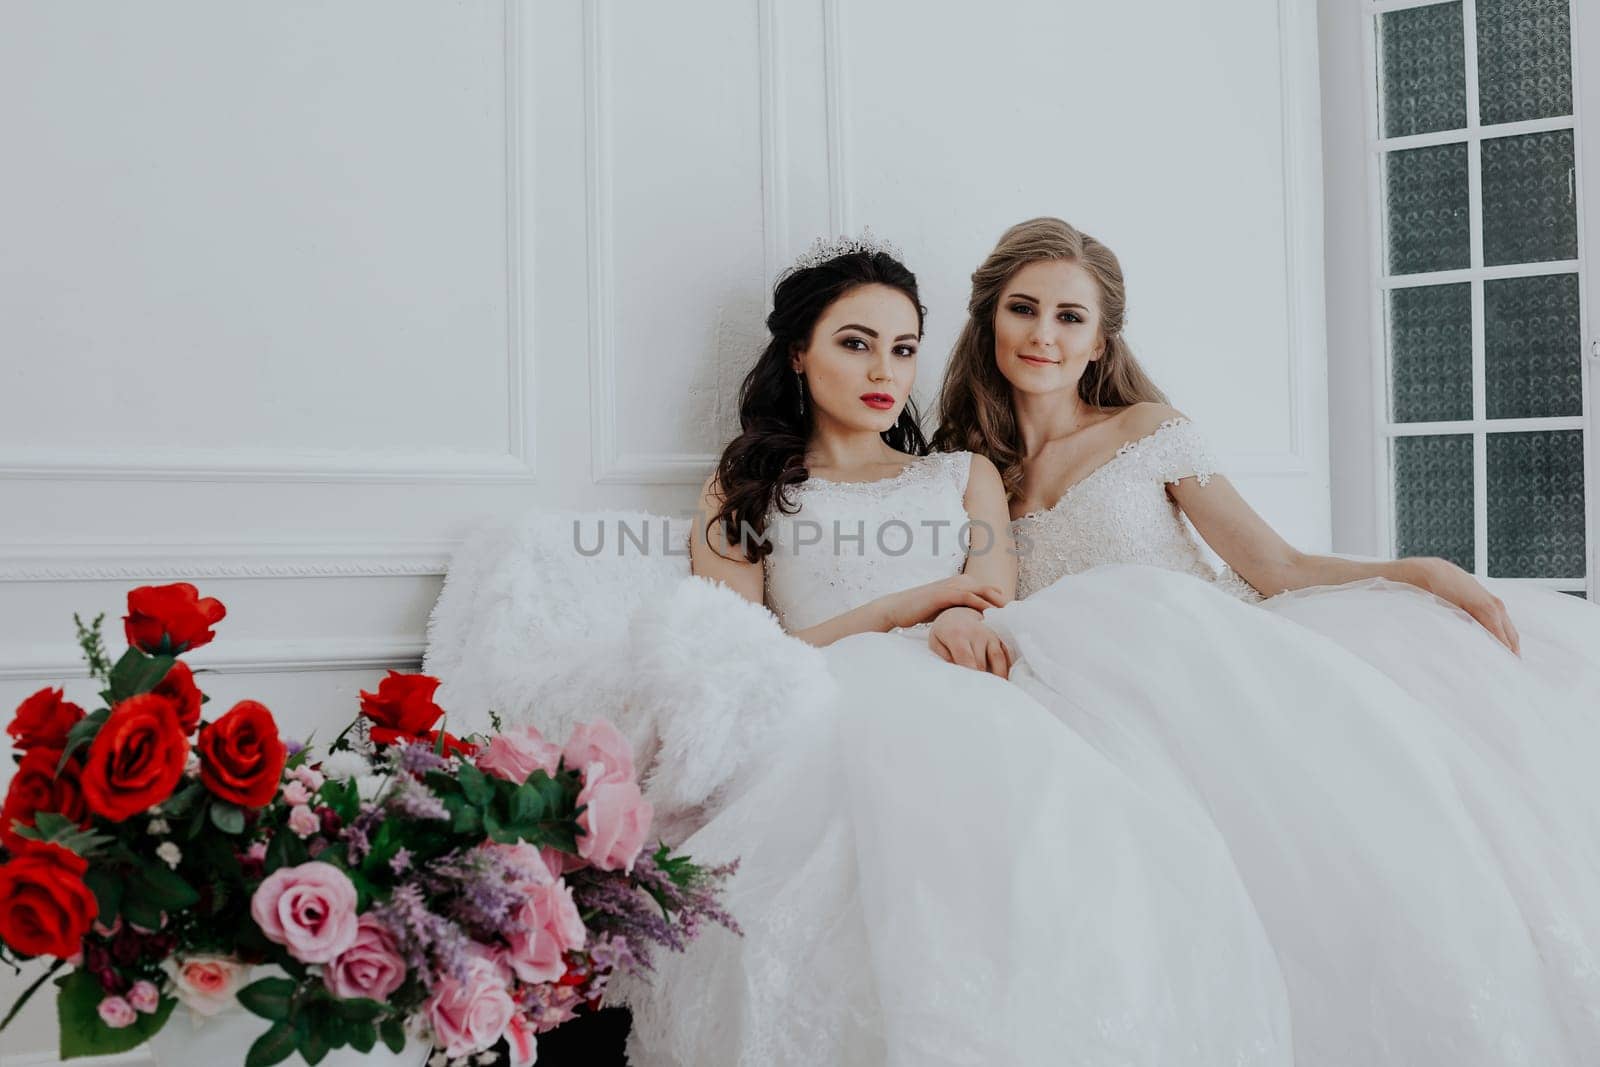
800 384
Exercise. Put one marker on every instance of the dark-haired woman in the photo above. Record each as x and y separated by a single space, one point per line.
1409 802
937 872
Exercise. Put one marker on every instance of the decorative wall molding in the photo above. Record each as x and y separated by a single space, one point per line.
840 215
260 465
95 562
1299 105
610 465
1300 93
47 662
517 464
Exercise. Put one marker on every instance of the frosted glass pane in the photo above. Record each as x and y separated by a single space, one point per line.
1430 353
1524 60
1423 84
1530 205
1427 209
1534 348
1433 497
1536 504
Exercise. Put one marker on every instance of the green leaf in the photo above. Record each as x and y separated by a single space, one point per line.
229 818
527 805
475 785
137 673
393 1032
165 887
493 827
107 889
467 819
141 912
385 843
81 734
343 798
313 1043
82 1031
184 799
285 850
361 1009
274 1046
443 785
50 824
363 1036
269 998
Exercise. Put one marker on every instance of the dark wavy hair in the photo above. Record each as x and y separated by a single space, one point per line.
769 454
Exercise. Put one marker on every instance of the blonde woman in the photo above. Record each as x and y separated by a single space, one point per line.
1348 761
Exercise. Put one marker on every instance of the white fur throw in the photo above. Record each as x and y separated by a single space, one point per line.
695 676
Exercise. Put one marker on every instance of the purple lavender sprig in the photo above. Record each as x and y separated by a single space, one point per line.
430 943
664 902
481 886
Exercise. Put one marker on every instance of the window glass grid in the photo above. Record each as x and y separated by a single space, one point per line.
1522 442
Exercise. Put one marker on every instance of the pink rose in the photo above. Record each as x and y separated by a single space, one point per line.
371 967
116 1013
599 742
471 1015
309 777
309 909
145 997
295 793
303 821
546 924
205 984
518 753
616 820
524 1046
561 862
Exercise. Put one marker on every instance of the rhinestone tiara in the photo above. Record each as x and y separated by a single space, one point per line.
826 248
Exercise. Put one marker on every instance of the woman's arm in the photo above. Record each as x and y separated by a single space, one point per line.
959 634
718 561
1261 557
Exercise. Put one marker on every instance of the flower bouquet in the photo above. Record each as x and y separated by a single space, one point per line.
407 887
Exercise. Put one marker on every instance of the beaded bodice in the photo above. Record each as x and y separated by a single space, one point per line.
852 542
1121 513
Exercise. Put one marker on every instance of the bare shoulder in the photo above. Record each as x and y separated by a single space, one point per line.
983 479
711 493
1143 419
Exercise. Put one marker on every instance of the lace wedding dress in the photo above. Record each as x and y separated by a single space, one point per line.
939 872
1406 802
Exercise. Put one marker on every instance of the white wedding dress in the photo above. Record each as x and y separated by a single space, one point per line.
939 872
1410 807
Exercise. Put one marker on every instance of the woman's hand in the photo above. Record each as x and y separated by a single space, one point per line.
1448 582
921 603
960 636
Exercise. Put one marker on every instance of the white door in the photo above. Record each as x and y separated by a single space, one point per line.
1484 156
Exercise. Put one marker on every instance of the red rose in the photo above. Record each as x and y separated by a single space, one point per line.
178 686
136 759
45 909
170 619
403 710
37 788
242 756
42 721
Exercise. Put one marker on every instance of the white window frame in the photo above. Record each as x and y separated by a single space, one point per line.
1586 109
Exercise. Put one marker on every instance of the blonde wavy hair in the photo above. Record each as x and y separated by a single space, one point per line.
975 411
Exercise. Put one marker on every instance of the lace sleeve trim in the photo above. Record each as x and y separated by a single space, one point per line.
1175 451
